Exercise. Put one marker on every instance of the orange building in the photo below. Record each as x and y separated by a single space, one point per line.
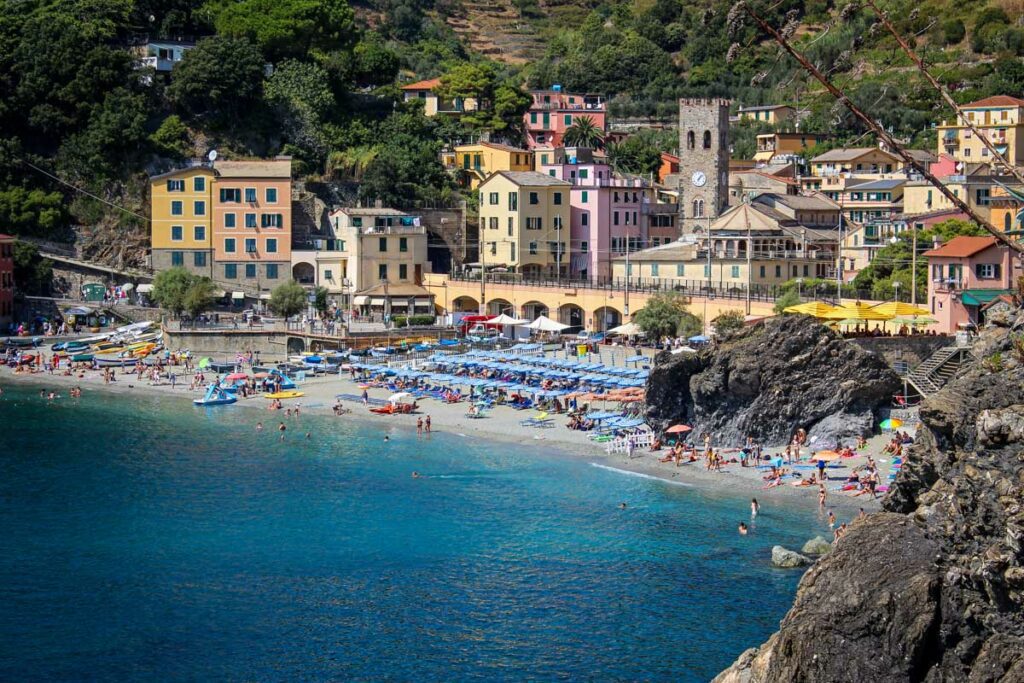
252 222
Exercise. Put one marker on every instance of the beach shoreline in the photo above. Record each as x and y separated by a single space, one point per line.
501 425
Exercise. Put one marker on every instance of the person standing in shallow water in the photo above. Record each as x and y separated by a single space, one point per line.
426 425
755 507
419 426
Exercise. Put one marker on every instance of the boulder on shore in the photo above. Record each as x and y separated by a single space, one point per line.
787 559
932 587
816 546
770 380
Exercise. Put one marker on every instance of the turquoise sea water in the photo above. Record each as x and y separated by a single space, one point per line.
153 541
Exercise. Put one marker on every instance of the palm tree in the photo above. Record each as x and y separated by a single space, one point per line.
583 133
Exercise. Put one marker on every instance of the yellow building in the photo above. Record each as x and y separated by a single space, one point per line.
181 210
921 197
771 145
425 92
524 222
475 162
999 118
855 160
772 113
1007 210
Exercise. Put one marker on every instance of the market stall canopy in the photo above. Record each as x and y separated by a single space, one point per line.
237 295
145 288
546 324
678 429
856 311
79 310
628 330
127 287
818 309
895 308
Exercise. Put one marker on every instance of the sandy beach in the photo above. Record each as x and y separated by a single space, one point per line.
501 424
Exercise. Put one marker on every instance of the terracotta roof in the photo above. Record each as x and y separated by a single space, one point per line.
6 237
665 156
962 247
995 101
273 168
428 84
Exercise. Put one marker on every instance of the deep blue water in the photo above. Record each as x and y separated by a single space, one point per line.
152 542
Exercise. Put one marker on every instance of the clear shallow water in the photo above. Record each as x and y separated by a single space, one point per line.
143 541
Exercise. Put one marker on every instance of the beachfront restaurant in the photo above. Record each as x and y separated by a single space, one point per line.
384 298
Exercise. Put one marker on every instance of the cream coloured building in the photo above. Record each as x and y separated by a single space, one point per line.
780 249
524 223
999 118
856 161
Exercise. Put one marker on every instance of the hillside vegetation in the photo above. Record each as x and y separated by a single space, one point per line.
81 126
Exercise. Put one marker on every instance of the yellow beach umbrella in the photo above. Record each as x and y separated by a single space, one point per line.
856 311
899 308
818 309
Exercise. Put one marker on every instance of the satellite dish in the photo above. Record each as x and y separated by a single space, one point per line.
212 156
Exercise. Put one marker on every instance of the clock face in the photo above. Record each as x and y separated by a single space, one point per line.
698 179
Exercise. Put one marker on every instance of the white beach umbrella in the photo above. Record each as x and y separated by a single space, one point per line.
395 398
505 320
628 330
546 324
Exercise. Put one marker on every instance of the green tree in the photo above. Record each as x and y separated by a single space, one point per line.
199 296
320 301
288 299
728 323
172 138
218 81
33 274
111 141
789 298
583 132
664 315
170 288
510 103
375 64
892 263
635 154
25 211
289 28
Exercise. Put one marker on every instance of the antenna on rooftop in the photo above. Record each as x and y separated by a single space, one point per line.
212 156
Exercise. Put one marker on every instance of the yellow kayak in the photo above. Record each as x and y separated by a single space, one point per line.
284 394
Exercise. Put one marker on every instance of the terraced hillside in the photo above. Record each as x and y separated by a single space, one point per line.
498 29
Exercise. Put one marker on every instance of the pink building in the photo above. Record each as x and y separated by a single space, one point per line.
553 111
607 214
966 274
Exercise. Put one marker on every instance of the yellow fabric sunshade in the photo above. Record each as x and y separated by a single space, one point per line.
895 308
818 309
856 311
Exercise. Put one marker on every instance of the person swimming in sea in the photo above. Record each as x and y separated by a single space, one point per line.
259 426
743 529
415 475
622 506
387 438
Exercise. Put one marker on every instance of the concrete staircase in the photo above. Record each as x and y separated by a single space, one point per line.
933 374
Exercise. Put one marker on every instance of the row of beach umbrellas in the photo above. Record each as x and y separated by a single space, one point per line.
897 312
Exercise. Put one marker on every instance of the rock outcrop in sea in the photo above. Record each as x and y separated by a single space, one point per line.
770 380
932 587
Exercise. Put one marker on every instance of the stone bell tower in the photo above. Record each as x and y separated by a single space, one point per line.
703 161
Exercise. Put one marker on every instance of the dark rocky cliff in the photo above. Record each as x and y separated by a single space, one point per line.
771 379
932 588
